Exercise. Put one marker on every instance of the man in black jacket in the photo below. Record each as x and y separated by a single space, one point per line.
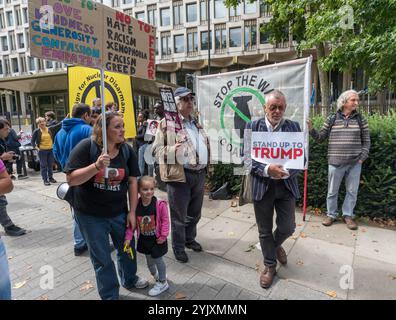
9 227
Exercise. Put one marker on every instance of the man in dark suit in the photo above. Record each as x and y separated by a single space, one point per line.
273 187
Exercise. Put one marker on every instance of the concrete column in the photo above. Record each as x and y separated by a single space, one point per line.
173 77
23 104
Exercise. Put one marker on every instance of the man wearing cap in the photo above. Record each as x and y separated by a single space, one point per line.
183 159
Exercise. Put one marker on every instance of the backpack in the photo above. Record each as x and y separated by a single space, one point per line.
125 152
334 117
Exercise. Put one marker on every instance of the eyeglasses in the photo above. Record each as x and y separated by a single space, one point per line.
187 98
273 107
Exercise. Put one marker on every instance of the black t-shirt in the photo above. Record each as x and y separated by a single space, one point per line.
94 197
146 217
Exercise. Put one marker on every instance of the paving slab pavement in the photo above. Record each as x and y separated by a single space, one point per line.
318 257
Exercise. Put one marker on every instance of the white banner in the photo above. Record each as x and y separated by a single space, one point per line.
285 148
227 101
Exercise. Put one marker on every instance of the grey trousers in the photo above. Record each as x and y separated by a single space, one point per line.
185 202
155 265
5 220
280 198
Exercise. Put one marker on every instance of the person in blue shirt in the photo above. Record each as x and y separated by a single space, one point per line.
73 131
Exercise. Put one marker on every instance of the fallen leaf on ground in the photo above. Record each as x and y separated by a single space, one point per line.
44 297
257 267
299 225
19 284
251 247
375 241
391 276
87 285
10 257
332 294
29 268
299 263
234 204
180 295
363 230
231 234
303 235
236 210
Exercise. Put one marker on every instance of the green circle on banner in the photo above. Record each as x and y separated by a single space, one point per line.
228 102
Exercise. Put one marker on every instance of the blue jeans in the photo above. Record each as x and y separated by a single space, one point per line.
141 161
79 241
352 180
46 161
5 283
96 233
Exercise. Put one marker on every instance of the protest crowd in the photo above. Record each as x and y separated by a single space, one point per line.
112 192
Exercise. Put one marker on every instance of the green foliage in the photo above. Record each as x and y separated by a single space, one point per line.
225 173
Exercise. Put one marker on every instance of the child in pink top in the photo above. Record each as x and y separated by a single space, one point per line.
152 224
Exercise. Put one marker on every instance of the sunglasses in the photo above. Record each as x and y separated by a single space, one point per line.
187 98
273 107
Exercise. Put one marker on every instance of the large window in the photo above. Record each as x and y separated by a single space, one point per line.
265 9
15 67
152 15
10 18
166 49
264 36
235 37
203 10
178 13
12 41
204 40
220 37
21 41
165 17
18 16
25 15
4 43
220 10
250 7
236 11
192 40
32 64
191 9
250 34
139 15
179 43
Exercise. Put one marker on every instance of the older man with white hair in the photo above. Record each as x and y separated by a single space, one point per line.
184 161
349 144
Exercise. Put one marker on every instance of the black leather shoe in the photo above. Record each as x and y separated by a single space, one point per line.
14 231
181 256
52 180
194 245
80 251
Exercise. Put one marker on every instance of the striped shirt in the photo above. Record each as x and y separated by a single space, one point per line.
349 142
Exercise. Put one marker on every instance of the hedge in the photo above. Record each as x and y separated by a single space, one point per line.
377 191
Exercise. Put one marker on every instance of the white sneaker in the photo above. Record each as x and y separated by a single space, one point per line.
141 283
158 288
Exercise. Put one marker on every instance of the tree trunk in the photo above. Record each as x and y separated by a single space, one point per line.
346 79
381 101
324 80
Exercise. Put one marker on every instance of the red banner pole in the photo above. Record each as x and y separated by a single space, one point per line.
305 193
